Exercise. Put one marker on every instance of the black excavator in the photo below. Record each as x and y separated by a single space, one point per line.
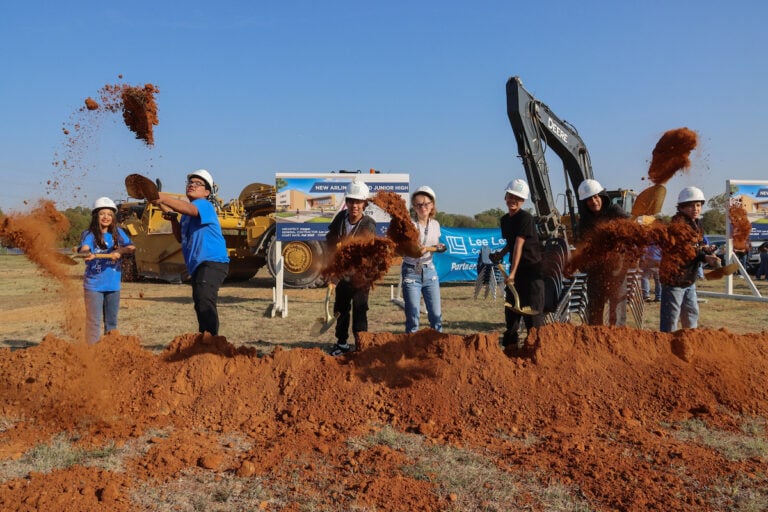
537 128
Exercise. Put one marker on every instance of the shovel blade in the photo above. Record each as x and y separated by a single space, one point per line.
322 325
650 201
721 272
141 187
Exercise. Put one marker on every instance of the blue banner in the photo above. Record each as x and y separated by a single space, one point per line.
459 261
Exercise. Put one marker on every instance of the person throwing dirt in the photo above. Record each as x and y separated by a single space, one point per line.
606 278
202 244
683 250
418 274
519 230
350 222
103 244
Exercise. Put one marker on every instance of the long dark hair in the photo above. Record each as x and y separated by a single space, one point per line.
95 228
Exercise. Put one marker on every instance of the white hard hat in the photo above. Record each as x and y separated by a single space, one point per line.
357 190
689 194
589 188
518 188
104 202
424 190
203 175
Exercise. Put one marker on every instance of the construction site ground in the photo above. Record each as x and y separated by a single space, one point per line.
154 417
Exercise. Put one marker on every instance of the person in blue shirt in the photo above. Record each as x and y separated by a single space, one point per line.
103 244
202 244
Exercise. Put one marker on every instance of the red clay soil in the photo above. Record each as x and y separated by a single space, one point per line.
401 230
671 154
740 226
364 260
597 397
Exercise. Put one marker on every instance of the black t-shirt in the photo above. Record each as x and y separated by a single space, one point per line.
522 225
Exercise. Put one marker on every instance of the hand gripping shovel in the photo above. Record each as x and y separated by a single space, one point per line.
524 310
323 323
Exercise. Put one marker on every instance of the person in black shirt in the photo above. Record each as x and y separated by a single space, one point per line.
519 230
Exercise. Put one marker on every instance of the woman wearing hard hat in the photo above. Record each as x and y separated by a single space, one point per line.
202 244
678 280
418 274
606 278
104 243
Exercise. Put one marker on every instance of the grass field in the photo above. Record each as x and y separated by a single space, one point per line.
30 307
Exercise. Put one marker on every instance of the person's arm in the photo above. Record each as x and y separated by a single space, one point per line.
517 253
178 205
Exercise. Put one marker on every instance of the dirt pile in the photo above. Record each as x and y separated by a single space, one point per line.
591 408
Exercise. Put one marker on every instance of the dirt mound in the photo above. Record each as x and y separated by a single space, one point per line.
595 398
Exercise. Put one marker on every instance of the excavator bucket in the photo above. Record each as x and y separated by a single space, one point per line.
650 201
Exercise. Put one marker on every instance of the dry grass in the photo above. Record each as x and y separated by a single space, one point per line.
156 313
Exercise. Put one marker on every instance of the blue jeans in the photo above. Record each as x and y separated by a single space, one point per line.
100 306
678 303
421 280
648 275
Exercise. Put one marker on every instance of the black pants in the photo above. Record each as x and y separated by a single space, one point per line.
348 297
530 289
206 281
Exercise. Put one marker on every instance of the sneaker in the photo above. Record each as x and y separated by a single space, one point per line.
647 299
340 349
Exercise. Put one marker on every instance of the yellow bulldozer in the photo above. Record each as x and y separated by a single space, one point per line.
248 226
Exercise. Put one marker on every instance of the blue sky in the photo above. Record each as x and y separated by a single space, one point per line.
248 89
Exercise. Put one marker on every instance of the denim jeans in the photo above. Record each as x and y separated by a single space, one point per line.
421 280
648 275
100 306
678 303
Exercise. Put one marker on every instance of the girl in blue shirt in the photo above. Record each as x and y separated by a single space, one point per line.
103 243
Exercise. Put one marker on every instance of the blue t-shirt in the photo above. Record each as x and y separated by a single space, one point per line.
201 238
103 274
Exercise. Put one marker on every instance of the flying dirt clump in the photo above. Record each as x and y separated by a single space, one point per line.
364 260
671 154
38 235
740 225
401 229
139 111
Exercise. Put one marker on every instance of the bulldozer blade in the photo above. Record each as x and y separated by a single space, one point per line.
721 272
650 201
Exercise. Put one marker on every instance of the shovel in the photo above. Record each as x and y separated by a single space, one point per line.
721 272
141 187
525 310
650 201
323 323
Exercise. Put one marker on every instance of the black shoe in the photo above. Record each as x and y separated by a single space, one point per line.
340 349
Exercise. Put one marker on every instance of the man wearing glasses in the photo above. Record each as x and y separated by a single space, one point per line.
202 244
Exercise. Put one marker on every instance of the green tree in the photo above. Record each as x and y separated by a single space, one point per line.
713 221
79 219
489 218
